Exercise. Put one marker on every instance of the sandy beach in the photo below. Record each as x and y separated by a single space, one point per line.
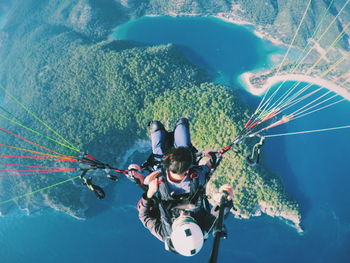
245 80
258 32
222 16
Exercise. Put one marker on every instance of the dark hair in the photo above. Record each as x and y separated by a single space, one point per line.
178 160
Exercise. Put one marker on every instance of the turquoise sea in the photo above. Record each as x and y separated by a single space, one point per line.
4 8
313 167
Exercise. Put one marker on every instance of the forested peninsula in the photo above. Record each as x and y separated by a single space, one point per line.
99 94
321 28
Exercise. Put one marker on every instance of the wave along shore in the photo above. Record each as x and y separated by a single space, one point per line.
271 81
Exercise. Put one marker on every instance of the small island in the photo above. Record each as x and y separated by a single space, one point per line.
100 94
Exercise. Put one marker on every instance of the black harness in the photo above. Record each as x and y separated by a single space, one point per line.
169 200
171 204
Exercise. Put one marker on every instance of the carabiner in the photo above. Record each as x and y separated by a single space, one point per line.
253 158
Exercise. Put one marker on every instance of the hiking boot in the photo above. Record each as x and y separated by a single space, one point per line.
183 121
155 126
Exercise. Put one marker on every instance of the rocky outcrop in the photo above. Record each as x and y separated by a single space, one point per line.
286 210
292 217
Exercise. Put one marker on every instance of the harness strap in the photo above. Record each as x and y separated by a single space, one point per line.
160 181
193 175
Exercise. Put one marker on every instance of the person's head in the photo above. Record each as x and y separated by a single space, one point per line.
187 237
178 160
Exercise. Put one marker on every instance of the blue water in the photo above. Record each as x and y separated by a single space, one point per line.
314 169
4 9
223 49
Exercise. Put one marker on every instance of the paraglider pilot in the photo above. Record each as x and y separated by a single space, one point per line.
175 208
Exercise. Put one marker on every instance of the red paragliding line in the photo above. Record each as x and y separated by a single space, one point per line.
41 172
247 123
48 158
32 166
26 170
283 120
24 139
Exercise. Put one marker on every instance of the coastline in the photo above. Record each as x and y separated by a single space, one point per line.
256 31
258 91
244 79
289 216
229 19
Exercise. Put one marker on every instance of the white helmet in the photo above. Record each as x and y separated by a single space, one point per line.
187 236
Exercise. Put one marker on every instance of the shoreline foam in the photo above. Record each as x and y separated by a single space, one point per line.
327 84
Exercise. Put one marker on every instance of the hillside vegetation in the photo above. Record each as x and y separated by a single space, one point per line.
100 94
